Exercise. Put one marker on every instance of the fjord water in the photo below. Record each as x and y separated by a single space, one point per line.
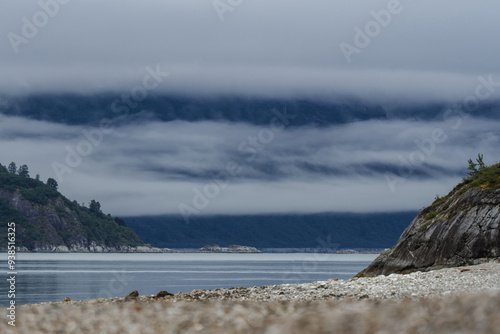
43 277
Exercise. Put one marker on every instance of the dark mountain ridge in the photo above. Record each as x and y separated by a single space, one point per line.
78 109
323 230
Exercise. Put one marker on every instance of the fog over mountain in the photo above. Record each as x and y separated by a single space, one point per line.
152 167
260 107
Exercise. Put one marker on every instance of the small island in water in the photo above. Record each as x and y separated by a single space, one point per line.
229 249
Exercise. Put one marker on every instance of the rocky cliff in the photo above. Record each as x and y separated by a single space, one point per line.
459 229
46 221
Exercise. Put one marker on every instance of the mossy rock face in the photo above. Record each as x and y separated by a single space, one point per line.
459 229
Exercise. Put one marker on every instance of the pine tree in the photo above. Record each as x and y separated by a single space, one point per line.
472 169
52 183
23 171
95 207
476 167
480 163
12 168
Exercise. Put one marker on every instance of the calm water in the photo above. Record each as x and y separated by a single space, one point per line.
53 277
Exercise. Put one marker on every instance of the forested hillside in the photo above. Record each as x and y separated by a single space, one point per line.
47 221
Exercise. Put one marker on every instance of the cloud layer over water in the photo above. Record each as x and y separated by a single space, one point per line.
151 168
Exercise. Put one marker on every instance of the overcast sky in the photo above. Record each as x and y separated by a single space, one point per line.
425 50
153 167
432 49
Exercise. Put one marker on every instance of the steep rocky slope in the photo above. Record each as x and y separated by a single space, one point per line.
47 221
459 229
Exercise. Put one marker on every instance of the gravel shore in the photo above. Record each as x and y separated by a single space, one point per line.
454 300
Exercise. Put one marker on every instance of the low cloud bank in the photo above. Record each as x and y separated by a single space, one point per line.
152 167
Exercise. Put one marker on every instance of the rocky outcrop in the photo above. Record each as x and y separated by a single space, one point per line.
460 229
59 225
229 249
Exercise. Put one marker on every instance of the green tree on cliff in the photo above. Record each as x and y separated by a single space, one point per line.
95 207
23 171
476 167
12 168
52 183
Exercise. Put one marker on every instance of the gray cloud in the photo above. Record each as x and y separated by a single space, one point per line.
156 166
429 50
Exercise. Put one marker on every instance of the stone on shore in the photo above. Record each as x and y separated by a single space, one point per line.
163 294
132 296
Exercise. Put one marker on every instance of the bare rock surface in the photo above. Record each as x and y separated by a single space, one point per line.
462 229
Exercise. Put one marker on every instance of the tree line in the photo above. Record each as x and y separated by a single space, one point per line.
23 171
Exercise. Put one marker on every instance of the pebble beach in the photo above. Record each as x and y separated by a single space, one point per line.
452 300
